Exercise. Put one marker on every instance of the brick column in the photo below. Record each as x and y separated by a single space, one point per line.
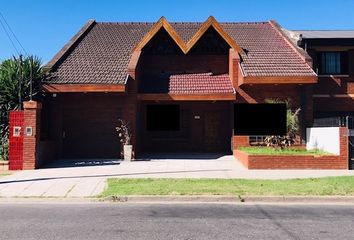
234 61
32 114
240 141
343 148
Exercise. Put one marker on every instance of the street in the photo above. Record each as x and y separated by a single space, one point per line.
175 221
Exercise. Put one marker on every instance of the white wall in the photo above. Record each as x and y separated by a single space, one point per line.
323 138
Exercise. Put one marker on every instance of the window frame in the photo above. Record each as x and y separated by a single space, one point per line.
343 63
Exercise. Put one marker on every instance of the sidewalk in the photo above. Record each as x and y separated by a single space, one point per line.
88 178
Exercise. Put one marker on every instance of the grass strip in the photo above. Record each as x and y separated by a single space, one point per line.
343 186
286 151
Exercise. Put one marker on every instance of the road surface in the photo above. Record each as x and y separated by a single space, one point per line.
175 221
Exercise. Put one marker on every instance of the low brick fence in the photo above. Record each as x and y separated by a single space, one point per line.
255 161
290 161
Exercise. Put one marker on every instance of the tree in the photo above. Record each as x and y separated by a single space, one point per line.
15 87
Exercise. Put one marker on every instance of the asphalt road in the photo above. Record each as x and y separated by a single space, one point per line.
175 221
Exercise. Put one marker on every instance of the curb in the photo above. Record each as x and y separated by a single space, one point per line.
232 199
187 199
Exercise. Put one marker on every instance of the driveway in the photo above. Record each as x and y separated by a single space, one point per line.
87 178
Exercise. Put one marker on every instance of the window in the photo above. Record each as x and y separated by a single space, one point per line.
333 63
260 119
162 118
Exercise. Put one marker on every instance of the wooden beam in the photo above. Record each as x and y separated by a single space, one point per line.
161 23
186 47
63 88
133 62
187 97
277 80
86 28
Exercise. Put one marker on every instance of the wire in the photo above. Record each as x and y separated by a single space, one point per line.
23 49
8 26
8 36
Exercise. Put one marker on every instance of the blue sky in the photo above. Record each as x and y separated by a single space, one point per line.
43 27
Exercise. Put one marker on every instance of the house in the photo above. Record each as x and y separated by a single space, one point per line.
333 60
195 72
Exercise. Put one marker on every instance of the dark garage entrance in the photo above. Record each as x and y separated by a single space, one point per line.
90 133
203 127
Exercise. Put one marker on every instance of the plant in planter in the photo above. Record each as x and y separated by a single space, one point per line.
292 124
124 135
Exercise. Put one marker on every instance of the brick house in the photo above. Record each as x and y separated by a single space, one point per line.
119 70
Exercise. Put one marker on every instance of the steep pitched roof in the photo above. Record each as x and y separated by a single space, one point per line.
101 52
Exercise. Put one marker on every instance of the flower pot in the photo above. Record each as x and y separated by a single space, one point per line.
127 150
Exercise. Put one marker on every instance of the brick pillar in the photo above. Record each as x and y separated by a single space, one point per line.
234 61
343 148
240 141
32 113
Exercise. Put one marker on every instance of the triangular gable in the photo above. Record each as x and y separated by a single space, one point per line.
161 23
211 22
186 47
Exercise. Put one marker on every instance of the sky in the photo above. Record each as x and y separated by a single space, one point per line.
44 27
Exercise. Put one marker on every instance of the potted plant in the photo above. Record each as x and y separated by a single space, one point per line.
124 135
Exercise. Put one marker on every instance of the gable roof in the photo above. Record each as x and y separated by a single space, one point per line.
100 53
185 45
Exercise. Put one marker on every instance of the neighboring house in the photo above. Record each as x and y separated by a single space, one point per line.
119 70
333 60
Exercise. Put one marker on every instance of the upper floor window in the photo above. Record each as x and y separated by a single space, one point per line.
333 62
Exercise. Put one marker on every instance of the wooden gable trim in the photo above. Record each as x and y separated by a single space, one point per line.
277 80
77 37
187 97
211 22
161 23
65 88
186 47
133 63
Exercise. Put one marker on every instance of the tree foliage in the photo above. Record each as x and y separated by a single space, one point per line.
15 85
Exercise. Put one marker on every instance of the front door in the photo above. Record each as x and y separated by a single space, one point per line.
213 131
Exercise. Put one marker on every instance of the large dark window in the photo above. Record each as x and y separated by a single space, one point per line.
333 62
162 117
260 119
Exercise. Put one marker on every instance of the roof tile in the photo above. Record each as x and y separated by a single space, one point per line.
102 56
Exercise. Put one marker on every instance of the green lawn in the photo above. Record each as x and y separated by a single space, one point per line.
238 187
287 151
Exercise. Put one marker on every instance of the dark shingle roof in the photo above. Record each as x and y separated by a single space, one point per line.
103 54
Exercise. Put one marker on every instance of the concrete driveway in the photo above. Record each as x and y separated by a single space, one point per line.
87 178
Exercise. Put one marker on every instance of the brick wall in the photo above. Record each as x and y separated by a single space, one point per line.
298 161
151 65
32 112
240 141
234 61
16 119
334 85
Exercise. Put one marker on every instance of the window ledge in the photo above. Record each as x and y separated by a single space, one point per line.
333 75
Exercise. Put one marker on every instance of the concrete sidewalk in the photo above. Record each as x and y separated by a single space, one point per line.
87 178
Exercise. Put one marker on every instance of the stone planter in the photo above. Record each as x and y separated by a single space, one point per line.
128 150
